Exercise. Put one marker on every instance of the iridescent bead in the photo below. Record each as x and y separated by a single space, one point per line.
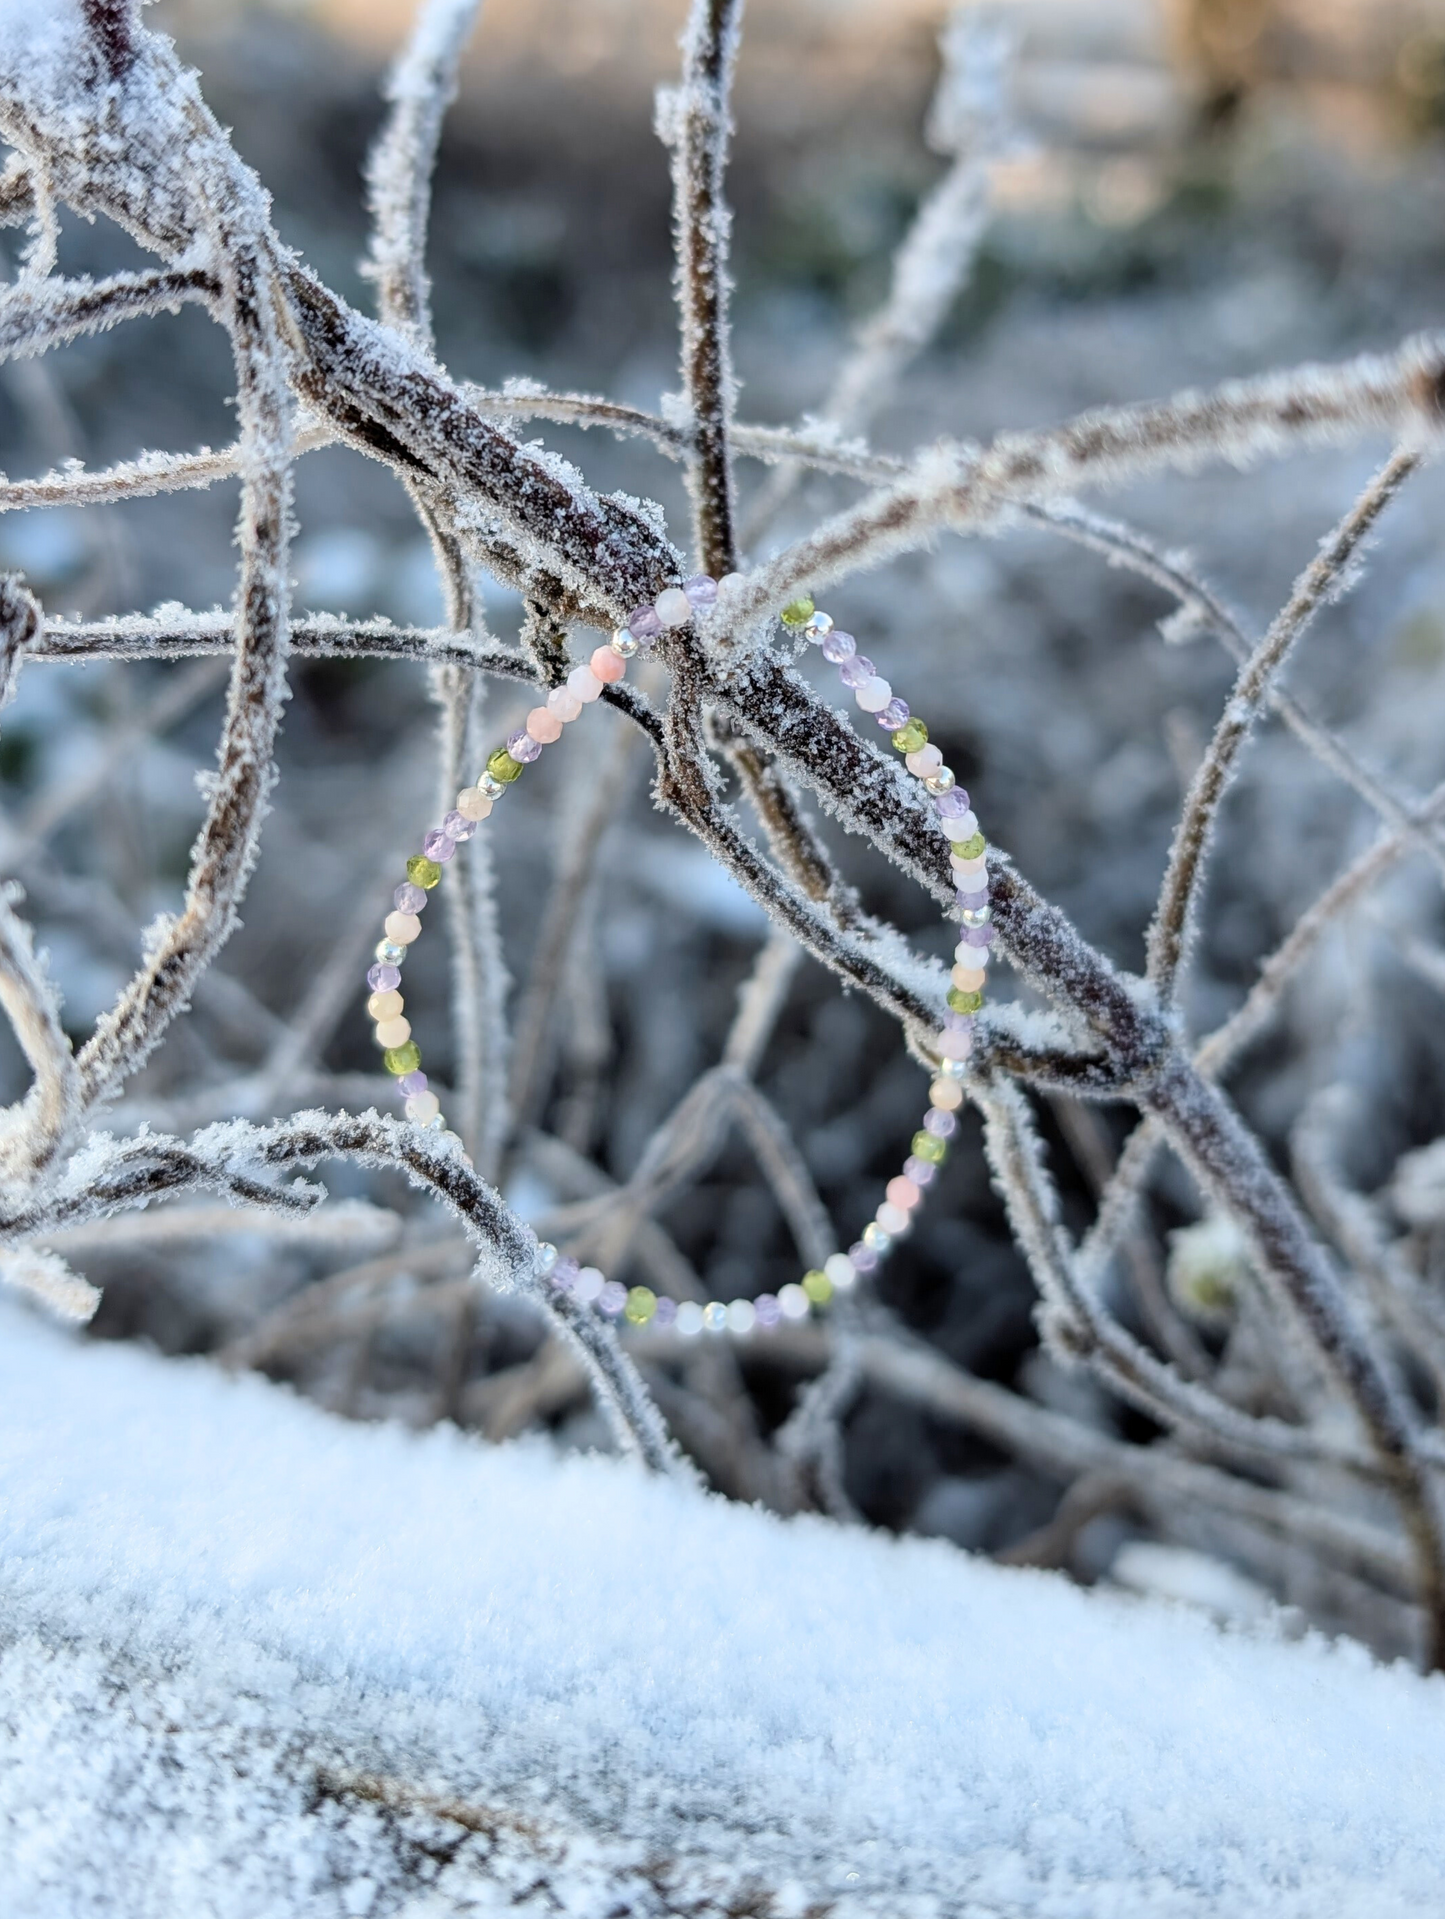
390 956
689 1319
543 726
742 1317
940 781
818 1287
488 784
820 626
410 1083
792 1301
864 1259
953 1069
384 977
798 612
422 871
409 897
473 803
588 1284
714 1317
909 738
666 1313
841 1271
612 1299
544 1257
839 646
522 747
953 804
894 716
927 1148
975 915
876 1239
701 590
402 927
673 607
941 1124
643 624
563 1275
768 1310
402 1059
458 826
921 1171
962 1002
856 671
503 767
641 1305
422 1107
625 644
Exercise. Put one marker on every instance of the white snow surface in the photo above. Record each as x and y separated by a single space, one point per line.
256 1661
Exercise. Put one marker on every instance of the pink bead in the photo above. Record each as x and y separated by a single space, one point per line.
902 1193
584 684
924 762
956 1045
874 694
607 665
543 726
563 703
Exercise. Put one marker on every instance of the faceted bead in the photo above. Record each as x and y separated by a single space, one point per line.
909 738
874 694
960 827
877 1239
563 703
607 665
818 1287
893 716
903 1193
955 1046
964 867
402 927
864 1259
641 1305
768 1310
438 845
926 1147
689 1319
643 624
940 780
941 1124
422 1106
792 1301
923 763
841 1270
389 953
742 1317
892 1220
523 748
588 1284
962 1002
701 590
666 1312
564 1274
402 1059
423 871
410 1083
921 1171
945 1093
798 612
473 804
584 685
839 646
503 767
385 1005
960 1023
976 936
969 979
612 1299
730 582
383 979
714 1317
391 1033
971 848
673 607
856 670
458 827
953 804
977 957
543 725
409 897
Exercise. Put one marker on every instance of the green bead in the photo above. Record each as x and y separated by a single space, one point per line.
402 1059
930 1147
969 849
503 767
818 1287
798 612
641 1305
912 735
961 1002
423 872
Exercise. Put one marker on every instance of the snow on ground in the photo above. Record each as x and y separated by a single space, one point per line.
255 1661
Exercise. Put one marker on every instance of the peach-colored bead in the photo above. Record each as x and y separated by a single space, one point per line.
385 1005
393 1032
543 727
564 703
945 1093
968 979
402 927
473 803
903 1193
607 665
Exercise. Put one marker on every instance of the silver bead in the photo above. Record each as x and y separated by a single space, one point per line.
389 953
715 1317
952 1069
624 645
875 1239
942 781
493 788
980 918
819 627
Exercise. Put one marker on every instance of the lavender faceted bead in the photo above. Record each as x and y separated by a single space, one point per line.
953 804
410 1083
701 590
976 935
522 747
838 647
563 1275
612 1298
643 624
941 1125
666 1312
437 846
383 979
855 671
768 1310
863 1257
457 826
408 898
959 1022
921 1171
892 716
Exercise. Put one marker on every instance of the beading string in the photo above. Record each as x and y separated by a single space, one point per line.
640 1305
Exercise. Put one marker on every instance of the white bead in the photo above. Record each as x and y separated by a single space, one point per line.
841 1270
545 1257
923 762
873 695
402 927
793 1302
714 1317
673 607
689 1319
422 1106
583 684
893 1219
588 1284
963 828
729 583
393 1032
967 955
564 703
742 1316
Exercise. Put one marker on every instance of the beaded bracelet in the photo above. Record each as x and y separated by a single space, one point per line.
639 1305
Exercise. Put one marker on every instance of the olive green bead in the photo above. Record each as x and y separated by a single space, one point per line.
961 1002
503 767
911 736
798 612
402 1059
930 1147
969 849
641 1305
423 872
818 1287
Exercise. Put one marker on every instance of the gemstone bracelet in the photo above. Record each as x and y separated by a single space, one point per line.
639 1305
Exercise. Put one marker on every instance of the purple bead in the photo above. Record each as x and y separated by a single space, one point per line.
768 1310
839 646
383 979
437 846
893 715
921 1171
855 671
522 747
953 804
976 935
410 1083
701 590
643 623
408 898
973 899
563 1275
612 1298
959 1022
666 1312
863 1257
457 826
941 1125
